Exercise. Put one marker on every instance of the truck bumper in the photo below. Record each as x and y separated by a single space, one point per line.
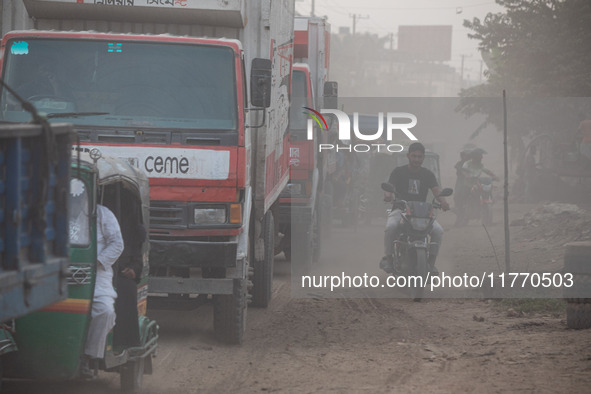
191 285
193 254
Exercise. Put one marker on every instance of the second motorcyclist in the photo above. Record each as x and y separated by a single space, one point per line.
411 182
472 169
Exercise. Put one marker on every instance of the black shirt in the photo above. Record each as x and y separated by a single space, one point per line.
412 186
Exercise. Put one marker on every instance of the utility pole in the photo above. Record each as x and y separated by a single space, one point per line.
391 55
355 17
312 12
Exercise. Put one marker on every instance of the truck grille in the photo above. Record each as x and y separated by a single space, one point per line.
168 214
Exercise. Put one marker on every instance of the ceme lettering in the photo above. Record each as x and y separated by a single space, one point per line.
166 165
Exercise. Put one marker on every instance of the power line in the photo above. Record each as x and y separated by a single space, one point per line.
355 17
422 8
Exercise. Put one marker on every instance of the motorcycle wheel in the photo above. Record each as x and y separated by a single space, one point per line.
486 215
417 290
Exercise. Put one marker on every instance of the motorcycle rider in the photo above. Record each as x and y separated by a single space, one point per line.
472 169
459 192
411 182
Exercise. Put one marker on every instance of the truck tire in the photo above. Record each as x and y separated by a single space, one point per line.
317 235
578 316
287 252
229 314
486 215
326 215
131 375
302 249
262 280
416 291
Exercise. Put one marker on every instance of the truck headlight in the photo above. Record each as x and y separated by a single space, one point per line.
209 215
294 189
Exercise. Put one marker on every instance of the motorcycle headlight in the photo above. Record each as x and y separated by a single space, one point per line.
420 224
209 215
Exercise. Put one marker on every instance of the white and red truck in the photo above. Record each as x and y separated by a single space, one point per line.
305 203
196 94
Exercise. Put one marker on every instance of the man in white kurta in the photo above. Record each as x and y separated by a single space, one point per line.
109 245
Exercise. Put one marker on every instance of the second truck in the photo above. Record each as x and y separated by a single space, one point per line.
305 204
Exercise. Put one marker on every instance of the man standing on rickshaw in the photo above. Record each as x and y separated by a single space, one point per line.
109 247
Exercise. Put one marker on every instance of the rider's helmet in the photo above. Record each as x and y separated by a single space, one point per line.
477 153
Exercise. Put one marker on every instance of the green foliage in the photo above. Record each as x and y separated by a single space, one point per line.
535 49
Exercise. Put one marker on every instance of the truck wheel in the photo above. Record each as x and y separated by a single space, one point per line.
262 281
229 314
287 252
131 375
302 247
316 235
486 215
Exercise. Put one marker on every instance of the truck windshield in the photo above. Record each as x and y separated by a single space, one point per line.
121 83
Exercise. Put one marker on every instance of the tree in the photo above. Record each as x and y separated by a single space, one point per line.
535 50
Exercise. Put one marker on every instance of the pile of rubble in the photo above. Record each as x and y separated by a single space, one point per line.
556 222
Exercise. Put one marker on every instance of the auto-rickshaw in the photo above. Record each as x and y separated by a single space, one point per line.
51 342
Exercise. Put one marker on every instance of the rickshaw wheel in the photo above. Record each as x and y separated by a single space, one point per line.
131 375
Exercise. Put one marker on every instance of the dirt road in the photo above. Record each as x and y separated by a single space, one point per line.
366 342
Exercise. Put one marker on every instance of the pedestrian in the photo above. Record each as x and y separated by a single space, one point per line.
109 245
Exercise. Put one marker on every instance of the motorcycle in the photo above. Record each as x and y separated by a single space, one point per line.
412 248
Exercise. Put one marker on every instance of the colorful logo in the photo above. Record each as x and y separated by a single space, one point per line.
316 115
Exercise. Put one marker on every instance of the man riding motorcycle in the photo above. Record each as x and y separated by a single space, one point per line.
472 170
412 183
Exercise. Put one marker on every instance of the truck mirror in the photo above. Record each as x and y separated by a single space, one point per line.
260 83
331 94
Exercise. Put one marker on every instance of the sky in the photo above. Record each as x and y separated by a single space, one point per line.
383 17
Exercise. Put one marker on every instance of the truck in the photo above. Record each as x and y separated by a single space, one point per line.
196 95
304 209
34 254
